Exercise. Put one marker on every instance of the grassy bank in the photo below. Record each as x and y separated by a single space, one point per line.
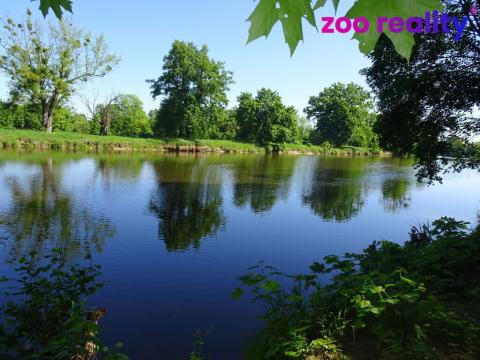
30 140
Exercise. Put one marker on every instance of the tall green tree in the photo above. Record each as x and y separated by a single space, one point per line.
265 119
45 63
343 115
430 101
128 117
193 89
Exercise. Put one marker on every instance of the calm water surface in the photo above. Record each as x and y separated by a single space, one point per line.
173 232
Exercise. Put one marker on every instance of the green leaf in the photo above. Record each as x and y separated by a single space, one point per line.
374 310
290 13
373 9
237 294
364 304
391 301
377 289
262 19
271 285
335 4
408 281
319 4
56 6
317 268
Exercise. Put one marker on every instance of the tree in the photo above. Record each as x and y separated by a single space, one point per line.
67 120
193 87
128 117
343 115
19 116
103 115
305 128
265 119
44 64
428 102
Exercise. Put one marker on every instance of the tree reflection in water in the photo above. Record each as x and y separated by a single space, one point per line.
188 201
261 181
42 213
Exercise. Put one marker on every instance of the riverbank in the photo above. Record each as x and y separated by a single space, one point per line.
38 140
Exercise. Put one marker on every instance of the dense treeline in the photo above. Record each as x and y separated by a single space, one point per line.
44 71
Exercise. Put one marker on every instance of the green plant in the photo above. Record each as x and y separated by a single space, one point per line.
414 301
45 317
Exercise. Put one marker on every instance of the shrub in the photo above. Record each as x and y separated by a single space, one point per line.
45 317
419 300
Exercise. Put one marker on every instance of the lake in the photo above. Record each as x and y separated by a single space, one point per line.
173 232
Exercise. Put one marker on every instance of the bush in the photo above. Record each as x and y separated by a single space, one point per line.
25 116
416 301
45 317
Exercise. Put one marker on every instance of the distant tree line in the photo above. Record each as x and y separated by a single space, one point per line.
45 65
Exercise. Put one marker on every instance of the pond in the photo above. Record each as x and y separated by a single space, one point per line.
173 232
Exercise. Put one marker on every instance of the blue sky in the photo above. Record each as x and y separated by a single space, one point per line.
142 31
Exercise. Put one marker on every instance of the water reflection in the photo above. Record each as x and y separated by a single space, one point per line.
187 201
335 191
396 194
42 213
260 181
188 195
112 169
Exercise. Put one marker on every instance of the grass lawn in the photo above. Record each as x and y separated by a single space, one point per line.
30 140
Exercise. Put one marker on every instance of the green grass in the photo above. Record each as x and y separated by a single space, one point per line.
30 140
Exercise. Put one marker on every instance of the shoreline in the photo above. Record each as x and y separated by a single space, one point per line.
76 142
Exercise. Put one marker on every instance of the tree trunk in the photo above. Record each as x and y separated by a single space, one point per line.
47 113
105 124
47 121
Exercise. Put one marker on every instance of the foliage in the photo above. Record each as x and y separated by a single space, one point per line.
305 129
291 14
416 301
265 119
128 117
45 317
57 6
343 115
193 87
425 103
25 116
44 64
68 120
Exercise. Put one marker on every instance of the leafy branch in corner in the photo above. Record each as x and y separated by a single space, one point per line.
290 13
